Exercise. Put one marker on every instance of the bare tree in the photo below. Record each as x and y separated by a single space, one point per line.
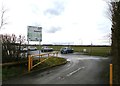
3 19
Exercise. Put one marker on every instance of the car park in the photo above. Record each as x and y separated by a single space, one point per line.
66 50
46 49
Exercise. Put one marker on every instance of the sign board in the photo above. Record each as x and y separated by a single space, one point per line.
34 33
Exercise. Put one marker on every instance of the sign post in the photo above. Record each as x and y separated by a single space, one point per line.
35 34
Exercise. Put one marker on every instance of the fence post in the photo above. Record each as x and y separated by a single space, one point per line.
111 75
29 65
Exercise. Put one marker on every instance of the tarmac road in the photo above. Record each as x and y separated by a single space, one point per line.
81 69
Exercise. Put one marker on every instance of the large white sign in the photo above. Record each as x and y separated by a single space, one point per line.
34 33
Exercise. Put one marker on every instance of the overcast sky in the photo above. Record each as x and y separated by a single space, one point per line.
62 21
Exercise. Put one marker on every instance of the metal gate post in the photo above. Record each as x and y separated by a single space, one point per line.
29 63
111 75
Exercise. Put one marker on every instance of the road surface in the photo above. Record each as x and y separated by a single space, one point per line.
81 69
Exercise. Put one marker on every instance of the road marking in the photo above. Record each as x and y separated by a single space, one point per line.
75 71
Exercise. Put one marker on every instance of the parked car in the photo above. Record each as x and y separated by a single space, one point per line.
29 48
46 49
66 50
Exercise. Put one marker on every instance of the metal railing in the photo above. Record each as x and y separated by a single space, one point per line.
30 59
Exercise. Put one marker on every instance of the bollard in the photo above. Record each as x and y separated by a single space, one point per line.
111 75
29 60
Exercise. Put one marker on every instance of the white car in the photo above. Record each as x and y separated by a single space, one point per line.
29 48
46 49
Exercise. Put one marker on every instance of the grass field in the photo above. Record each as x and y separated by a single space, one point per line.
90 50
94 50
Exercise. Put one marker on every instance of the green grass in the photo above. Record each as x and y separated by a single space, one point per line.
94 51
54 61
8 72
97 51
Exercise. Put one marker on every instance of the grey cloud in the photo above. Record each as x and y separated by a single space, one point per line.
57 9
53 29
